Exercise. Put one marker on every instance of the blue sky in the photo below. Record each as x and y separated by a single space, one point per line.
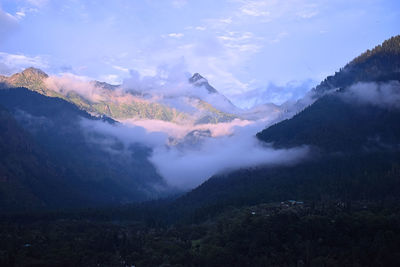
253 51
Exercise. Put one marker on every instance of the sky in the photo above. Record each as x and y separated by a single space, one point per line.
252 51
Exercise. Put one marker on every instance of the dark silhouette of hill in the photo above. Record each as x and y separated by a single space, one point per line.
67 169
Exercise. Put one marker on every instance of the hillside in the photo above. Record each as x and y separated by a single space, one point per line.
354 153
80 171
382 63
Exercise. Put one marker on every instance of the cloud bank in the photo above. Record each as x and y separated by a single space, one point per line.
188 166
68 82
191 160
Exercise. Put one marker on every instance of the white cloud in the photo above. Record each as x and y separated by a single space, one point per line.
20 14
188 166
18 62
189 163
121 68
111 79
273 93
69 82
175 35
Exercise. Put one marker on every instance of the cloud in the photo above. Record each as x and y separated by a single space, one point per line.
111 79
127 134
175 35
274 93
121 68
169 80
200 154
170 86
268 11
179 131
189 166
384 95
255 8
17 62
20 14
69 82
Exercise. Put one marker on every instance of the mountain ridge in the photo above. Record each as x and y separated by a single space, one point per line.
136 107
382 63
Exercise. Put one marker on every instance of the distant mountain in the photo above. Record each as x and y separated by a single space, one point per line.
31 78
121 104
50 159
199 81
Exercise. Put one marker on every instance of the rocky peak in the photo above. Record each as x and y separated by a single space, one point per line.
199 81
29 72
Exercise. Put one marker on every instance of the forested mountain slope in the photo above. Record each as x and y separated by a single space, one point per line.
354 143
48 144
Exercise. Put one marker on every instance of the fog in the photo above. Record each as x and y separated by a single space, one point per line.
191 160
187 166
68 82
385 95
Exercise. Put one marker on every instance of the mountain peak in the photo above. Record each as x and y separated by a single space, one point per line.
199 81
31 78
196 77
34 72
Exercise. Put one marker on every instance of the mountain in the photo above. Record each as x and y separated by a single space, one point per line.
31 78
354 150
122 104
382 63
52 158
338 207
199 81
35 80
26 171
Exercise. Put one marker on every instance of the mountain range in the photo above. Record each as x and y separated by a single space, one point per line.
336 206
200 103
44 124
